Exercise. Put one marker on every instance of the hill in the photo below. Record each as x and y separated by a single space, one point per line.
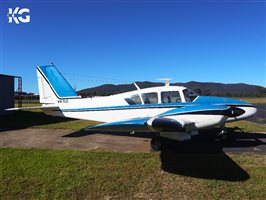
202 88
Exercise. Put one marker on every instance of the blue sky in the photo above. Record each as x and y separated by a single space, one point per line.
97 42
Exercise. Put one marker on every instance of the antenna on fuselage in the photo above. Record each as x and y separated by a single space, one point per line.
167 80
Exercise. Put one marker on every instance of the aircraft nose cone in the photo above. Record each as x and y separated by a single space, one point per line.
250 111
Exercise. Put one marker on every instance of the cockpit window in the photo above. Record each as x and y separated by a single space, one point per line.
149 98
170 97
189 95
134 99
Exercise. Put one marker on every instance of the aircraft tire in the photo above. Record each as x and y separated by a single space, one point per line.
224 137
156 144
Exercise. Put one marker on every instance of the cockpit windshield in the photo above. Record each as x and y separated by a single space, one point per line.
189 95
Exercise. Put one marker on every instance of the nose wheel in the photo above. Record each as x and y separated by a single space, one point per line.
156 143
223 135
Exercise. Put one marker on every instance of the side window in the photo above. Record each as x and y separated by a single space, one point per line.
149 98
134 99
170 97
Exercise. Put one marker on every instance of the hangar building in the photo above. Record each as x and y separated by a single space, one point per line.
7 99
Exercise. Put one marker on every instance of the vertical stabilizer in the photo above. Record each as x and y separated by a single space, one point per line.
52 85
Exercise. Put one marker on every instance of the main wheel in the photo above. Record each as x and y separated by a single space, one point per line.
223 137
156 144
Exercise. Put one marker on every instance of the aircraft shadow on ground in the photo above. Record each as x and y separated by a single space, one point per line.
82 133
218 166
26 119
203 156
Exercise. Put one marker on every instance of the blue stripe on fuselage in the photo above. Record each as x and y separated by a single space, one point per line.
207 101
196 108
126 107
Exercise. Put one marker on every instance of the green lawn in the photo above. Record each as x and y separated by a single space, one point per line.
246 126
252 100
57 174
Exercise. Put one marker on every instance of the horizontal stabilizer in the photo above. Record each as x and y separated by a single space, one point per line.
31 108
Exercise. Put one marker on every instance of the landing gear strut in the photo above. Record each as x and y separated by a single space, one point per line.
156 143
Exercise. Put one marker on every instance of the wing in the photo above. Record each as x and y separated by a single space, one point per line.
136 124
163 121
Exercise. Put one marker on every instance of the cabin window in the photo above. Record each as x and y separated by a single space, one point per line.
149 98
170 97
189 95
134 99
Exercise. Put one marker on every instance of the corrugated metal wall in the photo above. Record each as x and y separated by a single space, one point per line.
6 93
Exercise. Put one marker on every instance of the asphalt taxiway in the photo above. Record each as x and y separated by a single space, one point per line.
205 142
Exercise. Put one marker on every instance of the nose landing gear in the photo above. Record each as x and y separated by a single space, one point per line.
223 135
156 143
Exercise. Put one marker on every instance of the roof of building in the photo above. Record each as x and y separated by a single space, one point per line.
10 76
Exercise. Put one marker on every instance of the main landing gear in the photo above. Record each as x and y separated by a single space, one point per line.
156 143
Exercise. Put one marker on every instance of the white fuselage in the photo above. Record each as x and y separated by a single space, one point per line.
115 108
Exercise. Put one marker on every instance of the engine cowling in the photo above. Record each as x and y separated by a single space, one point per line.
161 124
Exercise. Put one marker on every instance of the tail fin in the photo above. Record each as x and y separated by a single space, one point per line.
52 85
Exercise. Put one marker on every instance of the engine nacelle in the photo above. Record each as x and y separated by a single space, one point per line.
161 124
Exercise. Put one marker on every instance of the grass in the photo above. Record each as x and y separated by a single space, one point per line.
252 100
58 174
28 103
247 126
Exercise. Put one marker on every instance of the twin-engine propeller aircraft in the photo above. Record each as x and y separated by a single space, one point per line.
172 112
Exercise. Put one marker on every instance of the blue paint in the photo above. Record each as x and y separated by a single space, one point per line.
219 100
188 109
57 81
136 122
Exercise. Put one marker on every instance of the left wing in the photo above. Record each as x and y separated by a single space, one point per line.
136 124
162 122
